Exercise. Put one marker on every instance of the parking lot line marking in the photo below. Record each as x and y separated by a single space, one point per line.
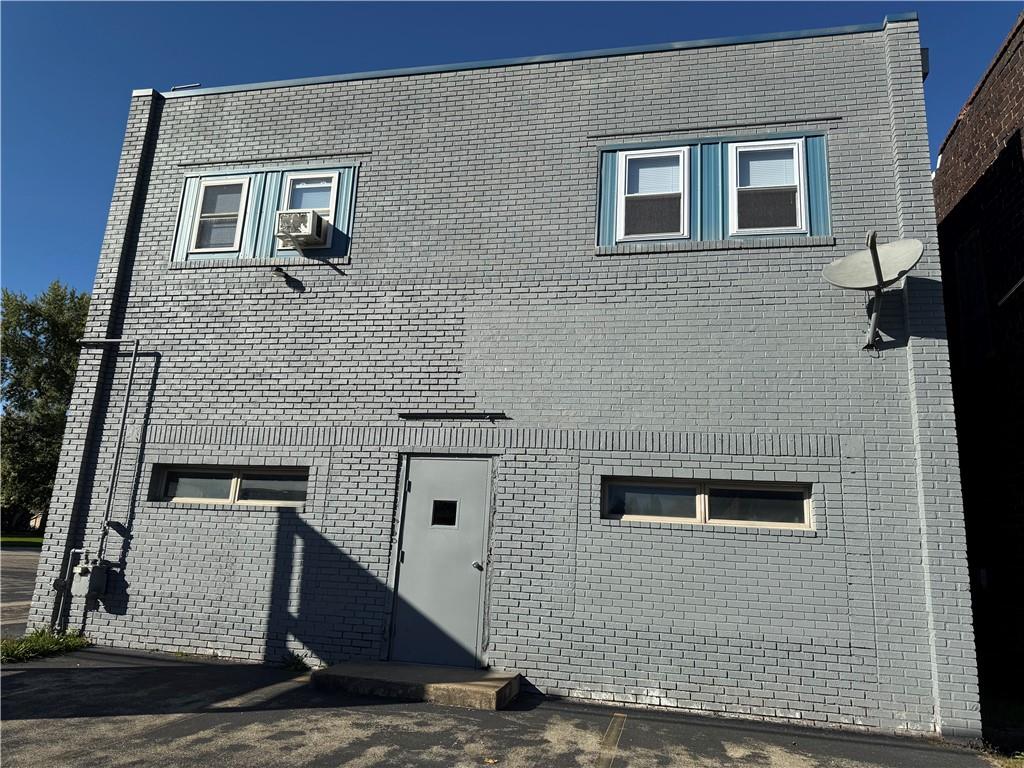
610 742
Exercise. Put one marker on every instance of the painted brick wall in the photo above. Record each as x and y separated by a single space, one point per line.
474 284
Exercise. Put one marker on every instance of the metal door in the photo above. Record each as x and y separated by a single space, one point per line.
438 607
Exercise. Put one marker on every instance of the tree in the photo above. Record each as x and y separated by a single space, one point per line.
39 356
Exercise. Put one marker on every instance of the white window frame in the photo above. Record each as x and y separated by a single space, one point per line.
236 483
800 174
220 181
326 214
703 488
683 153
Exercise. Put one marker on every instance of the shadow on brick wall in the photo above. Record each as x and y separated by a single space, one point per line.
982 245
116 599
924 291
324 603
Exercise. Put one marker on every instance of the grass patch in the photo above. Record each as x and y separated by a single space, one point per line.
1011 761
20 540
39 643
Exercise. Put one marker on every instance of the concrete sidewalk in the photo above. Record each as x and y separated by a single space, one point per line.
116 708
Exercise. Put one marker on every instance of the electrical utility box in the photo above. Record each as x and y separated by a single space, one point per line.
89 581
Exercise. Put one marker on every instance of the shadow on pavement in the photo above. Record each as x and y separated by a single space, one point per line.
104 682
196 711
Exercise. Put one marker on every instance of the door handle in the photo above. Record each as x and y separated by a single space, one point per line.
478 565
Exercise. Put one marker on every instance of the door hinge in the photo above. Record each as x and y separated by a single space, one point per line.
408 486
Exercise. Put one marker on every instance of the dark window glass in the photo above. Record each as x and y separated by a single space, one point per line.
766 208
655 500
198 485
444 512
222 199
653 215
756 505
217 233
272 487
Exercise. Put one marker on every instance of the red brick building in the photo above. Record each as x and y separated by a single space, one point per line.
979 202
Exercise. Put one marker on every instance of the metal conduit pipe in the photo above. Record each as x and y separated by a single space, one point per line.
115 475
119 446
65 582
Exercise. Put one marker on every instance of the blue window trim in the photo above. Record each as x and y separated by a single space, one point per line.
709 185
257 239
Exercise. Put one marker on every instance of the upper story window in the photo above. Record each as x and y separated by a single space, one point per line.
709 190
232 216
312 191
652 194
767 187
220 215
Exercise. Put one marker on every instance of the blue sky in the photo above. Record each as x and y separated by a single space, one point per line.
68 70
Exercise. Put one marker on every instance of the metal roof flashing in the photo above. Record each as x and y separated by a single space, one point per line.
543 59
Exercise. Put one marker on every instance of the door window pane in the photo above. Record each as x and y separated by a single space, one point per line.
653 500
756 505
272 487
444 512
185 485
311 193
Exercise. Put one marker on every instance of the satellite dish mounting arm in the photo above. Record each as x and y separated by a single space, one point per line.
876 306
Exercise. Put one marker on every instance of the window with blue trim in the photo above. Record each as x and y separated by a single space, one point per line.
715 190
767 188
652 198
233 215
220 215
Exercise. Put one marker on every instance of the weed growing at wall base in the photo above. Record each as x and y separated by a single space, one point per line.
295 663
39 643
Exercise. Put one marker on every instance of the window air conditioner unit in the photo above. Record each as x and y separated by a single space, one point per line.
300 229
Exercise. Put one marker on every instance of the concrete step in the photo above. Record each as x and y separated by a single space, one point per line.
454 686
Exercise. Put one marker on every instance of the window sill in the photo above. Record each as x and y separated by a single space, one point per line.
279 261
711 528
735 244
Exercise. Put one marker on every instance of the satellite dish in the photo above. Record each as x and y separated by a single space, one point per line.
872 270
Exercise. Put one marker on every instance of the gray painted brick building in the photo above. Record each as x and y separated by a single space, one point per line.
599 276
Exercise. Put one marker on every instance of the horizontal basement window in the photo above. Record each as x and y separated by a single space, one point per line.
268 486
770 505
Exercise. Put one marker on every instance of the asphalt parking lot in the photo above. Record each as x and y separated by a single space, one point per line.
118 708
17 579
